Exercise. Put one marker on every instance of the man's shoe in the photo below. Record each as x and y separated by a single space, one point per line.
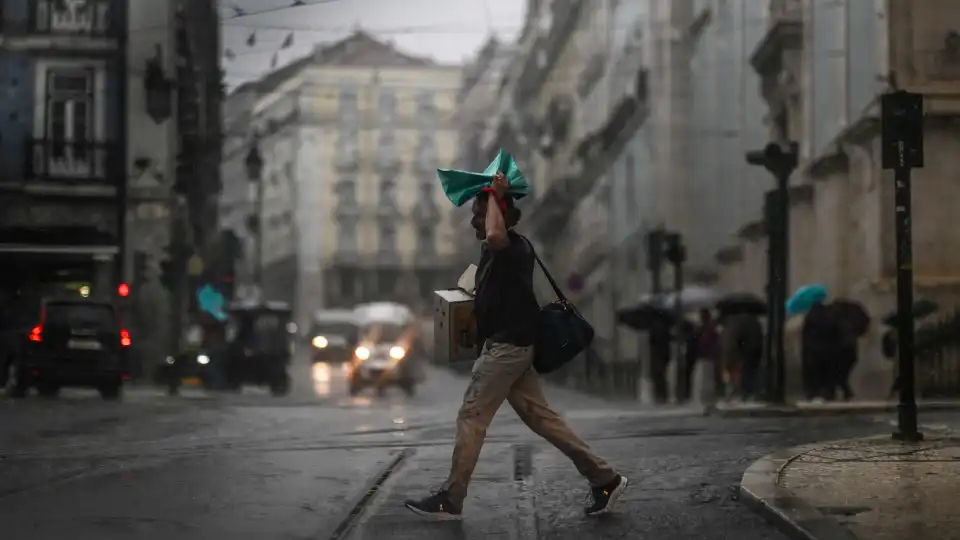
606 496
438 506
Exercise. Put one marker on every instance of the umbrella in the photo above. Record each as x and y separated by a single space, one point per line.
921 309
805 298
693 298
853 314
461 186
645 315
741 304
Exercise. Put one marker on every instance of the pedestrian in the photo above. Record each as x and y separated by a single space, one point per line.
821 338
749 343
848 355
507 313
730 361
659 343
708 347
688 360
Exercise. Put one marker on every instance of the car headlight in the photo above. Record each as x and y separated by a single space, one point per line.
362 353
203 359
320 342
397 353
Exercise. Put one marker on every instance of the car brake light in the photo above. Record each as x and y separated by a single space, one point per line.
125 340
36 334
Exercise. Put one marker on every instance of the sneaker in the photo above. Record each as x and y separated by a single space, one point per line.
606 496
438 506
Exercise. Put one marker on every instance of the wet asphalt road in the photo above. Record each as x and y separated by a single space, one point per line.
252 466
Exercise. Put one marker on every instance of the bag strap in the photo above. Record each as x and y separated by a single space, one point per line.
556 288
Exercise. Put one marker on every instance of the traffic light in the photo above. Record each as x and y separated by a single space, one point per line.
674 250
123 290
168 274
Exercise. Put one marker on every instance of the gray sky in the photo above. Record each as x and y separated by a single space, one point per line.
447 30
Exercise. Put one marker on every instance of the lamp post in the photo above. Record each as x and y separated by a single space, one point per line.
254 166
158 89
781 161
901 116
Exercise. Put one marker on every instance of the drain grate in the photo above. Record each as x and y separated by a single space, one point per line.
522 461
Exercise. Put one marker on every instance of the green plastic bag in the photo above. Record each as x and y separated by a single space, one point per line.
462 186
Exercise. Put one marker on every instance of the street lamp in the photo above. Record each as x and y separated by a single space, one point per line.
781 161
254 166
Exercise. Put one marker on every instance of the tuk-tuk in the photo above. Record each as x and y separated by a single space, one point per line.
259 346
385 355
333 335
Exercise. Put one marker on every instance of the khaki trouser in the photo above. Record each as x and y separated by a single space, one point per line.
504 372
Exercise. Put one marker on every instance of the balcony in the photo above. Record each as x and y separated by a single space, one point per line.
92 18
347 161
426 212
389 162
62 162
784 33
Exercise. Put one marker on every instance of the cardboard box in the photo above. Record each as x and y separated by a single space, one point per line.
454 327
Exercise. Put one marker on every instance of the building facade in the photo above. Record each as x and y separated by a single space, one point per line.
371 126
823 66
99 131
61 139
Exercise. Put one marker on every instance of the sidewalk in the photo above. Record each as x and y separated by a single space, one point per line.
860 489
831 408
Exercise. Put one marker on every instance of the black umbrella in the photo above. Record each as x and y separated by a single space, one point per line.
741 304
921 308
645 316
851 313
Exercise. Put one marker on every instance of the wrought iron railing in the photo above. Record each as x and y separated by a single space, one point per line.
73 17
49 160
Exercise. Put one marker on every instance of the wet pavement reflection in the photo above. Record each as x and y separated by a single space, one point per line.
203 465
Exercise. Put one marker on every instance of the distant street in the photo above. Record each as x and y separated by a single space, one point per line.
252 466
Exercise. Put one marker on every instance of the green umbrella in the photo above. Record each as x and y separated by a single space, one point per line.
461 186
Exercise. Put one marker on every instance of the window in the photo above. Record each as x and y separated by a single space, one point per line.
347 236
388 191
388 238
347 193
426 107
427 152
387 105
387 151
70 113
426 239
348 145
349 107
427 192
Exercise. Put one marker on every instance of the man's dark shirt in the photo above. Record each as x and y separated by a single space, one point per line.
505 305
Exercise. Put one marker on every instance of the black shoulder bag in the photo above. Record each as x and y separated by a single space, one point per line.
562 333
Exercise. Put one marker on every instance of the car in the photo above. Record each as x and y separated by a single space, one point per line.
78 343
333 335
387 333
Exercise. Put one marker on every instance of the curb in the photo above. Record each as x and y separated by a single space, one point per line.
760 490
794 411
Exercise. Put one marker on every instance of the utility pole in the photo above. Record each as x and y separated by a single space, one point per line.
781 160
120 169
902 150
254 166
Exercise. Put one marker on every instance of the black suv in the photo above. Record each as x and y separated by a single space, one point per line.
75 343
